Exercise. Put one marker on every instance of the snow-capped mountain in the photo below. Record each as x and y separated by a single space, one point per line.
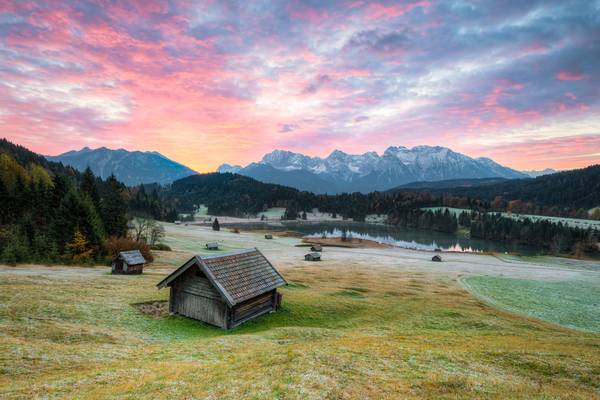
535 174
342 172
234 169
130 167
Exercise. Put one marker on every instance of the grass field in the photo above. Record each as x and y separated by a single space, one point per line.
572 303
398 327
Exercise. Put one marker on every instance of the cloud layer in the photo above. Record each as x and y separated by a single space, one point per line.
217 81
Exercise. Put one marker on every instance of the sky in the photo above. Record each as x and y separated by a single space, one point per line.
208 82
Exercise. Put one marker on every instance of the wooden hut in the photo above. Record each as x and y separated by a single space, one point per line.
212 246
436 258
312 257
268 236
225 290
316 247
128 262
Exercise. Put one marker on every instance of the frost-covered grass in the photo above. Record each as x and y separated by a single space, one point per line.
572 222
341 334
574 303
345 331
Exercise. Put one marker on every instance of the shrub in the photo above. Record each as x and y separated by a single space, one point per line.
114 245
160 247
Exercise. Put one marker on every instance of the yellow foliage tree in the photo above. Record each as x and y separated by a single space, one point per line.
39 176
79 248
10 170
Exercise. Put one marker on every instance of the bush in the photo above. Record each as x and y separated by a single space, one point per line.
160 247
114 245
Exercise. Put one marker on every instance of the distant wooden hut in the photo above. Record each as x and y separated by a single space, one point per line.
225 290
436 258
212 246
128 262
312 257
268 236
316 247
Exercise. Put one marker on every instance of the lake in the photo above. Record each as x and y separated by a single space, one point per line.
388 234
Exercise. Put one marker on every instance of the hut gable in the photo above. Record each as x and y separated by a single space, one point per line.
225 289
132 257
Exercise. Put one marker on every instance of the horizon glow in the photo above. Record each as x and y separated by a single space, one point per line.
213 82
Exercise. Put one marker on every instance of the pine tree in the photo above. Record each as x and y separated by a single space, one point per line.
215 225
114 208
89 187
75 212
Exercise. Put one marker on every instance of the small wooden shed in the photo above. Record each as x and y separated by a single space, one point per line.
312 257
225 290
212 246
436 258
316 247
128 262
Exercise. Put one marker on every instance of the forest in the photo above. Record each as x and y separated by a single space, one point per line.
52 213
563 194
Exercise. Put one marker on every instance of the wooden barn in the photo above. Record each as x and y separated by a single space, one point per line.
128 262
212 246
225 290
312 257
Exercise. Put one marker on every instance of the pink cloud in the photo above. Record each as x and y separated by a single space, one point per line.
379 11
559 153
570 76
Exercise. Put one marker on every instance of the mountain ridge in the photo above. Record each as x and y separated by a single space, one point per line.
369 171
130 167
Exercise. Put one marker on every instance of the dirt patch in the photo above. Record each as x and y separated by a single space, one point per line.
349 243
154 309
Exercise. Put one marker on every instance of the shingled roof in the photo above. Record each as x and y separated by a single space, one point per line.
132 257
238 275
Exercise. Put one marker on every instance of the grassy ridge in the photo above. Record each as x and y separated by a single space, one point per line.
343 333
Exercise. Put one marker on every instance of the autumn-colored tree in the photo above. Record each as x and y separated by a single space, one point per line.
114 245
79 248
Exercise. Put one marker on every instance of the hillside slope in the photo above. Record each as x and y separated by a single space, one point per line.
130 167
578 188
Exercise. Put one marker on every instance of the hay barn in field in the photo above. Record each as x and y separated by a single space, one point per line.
225 290
128 262
316 247
212 246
